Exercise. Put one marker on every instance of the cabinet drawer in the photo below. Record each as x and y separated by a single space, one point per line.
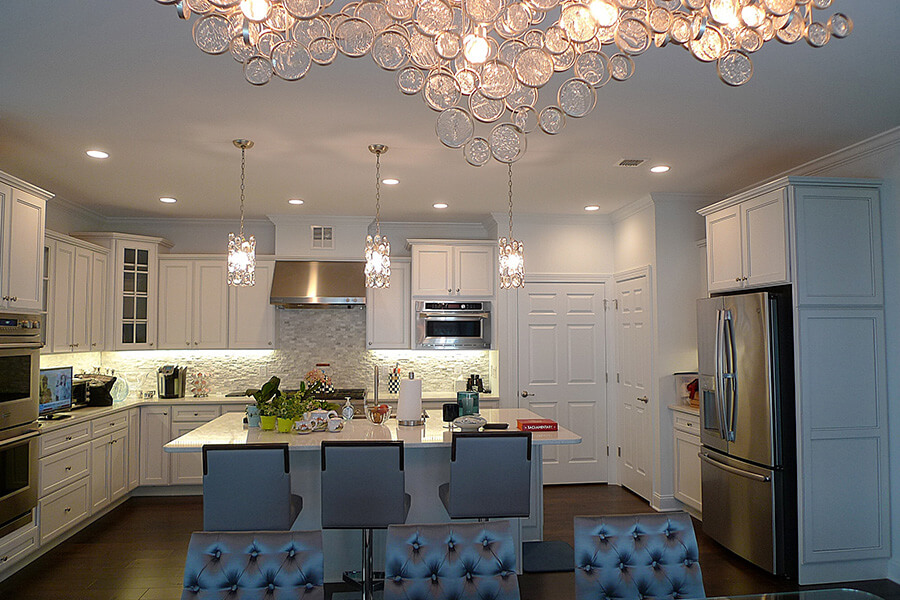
235 408
60 439
687 423
63 509
18 544
105 425
60 469
195 412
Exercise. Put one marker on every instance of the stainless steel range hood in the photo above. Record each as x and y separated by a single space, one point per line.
318 284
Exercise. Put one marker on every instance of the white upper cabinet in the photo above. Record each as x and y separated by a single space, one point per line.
388 322
251 319
452 268
134 281
22 208
193 303
746 242
77 284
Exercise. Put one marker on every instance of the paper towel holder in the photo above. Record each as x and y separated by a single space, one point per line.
410 422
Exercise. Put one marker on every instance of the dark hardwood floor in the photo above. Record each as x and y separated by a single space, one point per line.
137 553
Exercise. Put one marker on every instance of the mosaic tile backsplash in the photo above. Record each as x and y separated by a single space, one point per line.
305 337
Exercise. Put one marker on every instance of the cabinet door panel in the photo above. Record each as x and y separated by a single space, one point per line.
251 319
765 239
118 465
474 271
433 274
63 282
175 304
687 469
81 295
155 426
723 249
388 311
210 305
100 449
26 250
99 298
134 450
187 467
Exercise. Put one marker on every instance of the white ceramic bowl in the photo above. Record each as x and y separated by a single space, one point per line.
469 422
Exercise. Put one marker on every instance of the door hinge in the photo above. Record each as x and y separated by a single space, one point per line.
607 450
620 451
605 304
607 377
617 378
616 303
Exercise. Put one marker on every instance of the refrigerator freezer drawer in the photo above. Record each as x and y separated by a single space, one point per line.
739 507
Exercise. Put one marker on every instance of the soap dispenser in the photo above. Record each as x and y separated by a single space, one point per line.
347 411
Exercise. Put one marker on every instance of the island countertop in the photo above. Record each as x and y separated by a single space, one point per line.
230 429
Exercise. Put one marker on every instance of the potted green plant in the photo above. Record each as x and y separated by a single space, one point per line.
287 410
265 402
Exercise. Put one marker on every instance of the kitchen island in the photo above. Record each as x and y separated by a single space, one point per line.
427 463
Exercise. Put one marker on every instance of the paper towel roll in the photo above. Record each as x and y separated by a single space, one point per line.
409 403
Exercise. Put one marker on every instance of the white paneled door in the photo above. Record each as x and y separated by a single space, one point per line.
633 314
562 373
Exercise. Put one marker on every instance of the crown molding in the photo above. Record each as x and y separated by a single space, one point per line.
24 185
631 209
548 219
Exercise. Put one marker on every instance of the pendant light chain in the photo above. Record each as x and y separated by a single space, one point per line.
509 166
378 193
243 151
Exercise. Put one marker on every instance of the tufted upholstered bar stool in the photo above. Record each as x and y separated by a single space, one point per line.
248 488
490 475
637 557
363 487
257 564
451 560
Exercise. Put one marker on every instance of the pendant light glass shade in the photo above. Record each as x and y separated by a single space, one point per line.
241 250
512 251
378 248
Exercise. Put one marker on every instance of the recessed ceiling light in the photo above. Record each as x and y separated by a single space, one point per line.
659 169
168 200
440 205
97 154
591 207
296 201
390 181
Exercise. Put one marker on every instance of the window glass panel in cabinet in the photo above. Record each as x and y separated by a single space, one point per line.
140 308
130 256
46 302
140 333
128 333
143 259
141 283
128 308
128 282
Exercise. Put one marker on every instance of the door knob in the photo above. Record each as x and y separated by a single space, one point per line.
644 399
525 394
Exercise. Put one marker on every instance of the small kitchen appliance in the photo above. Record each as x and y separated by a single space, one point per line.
98 392
170 381
453 325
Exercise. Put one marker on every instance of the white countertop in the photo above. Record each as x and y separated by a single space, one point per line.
685 408
230 429
92 412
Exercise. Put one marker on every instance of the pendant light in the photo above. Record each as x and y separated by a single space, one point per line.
241 250
512 252
378 249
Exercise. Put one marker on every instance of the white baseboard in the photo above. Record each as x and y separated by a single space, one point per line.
665 503
893 570
851 570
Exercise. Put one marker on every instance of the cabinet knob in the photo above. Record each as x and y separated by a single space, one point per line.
67 509
68 468
94 344
737 278
457 290
15 298
75 345
150 344
6 297
3 559
743 279
196 343
449 291
270 343
370 343
187 343
68 438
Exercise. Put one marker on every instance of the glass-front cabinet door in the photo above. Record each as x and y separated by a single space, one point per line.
136 282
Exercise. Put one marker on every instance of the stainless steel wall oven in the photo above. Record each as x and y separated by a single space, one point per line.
442 325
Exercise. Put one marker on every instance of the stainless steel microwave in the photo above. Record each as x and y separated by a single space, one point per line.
442 325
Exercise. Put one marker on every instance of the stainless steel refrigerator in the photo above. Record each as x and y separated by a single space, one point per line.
748 455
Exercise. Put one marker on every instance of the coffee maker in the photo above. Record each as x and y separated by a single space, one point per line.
170 380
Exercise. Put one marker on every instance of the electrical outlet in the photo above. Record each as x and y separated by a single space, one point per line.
263 372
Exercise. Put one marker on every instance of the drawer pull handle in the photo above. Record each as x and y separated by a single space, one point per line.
68 438
67 509
68 468
4 559
196 414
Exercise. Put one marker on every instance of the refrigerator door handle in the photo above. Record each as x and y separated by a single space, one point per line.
720 373
749 475
731 376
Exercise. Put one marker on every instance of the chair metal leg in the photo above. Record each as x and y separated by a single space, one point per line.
368 574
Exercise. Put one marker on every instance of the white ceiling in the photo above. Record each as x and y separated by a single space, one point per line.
126 77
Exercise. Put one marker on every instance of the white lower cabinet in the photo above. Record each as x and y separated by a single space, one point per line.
59 470
109 473
186 467
159 425
64 508
134 448
18 544
687 461
155 429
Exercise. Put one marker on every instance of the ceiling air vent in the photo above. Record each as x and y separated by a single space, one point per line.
322 237
631 162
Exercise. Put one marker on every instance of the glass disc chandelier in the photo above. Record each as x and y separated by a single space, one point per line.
242 250
378 249
484 63
512 252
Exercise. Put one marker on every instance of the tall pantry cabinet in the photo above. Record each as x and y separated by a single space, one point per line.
823 237
22 212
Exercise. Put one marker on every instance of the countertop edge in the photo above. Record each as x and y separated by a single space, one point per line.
683 408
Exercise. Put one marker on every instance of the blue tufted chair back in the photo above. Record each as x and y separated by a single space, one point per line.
637 557
451 561
254 565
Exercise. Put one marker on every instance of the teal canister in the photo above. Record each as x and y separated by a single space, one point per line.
468 403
